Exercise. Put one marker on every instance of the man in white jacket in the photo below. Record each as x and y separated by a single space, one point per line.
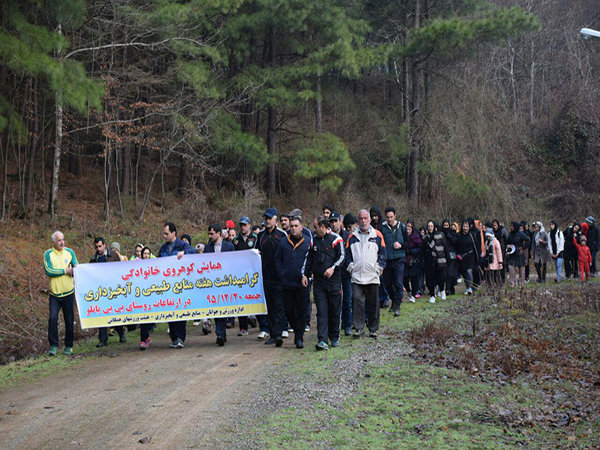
366 258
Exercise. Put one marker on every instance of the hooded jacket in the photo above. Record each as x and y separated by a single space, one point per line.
366 256
539 249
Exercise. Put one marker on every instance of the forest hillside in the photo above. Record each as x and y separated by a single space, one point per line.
116 115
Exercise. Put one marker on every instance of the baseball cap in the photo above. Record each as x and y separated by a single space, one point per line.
244 220
335 216
229 224
270 212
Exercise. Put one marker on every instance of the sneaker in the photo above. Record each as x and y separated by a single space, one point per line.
179 343
101 344
348 331
373 334
243 333
68 351
122 338
396 313
252 322
173 344
143 345
443 295
431 299
469 291
270 341
335 343
290 330
197 323
307 328
278 342
417 295
262 335
322 346
285 334
52 351
299 343
412 299
459 280
220 341
357 333
206 327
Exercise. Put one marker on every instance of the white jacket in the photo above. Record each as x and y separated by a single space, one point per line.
366 256
560 243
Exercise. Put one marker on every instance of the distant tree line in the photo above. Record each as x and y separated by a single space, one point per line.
172 95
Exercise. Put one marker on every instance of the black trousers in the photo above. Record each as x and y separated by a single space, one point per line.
103 333
571 269
295 301
365 300
67 305
177 330
274 297
145 331
328 298
435 276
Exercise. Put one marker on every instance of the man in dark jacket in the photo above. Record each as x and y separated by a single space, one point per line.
394 233
328 256
593 242
103 255
293 264
335 222
245 240
501 233
267 243
216 244
175 246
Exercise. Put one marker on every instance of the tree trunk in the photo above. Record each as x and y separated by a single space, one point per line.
183 178
318 107
34 143
272 128
271 147
532 82
58 113
412 178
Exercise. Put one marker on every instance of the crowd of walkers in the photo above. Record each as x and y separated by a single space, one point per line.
355 266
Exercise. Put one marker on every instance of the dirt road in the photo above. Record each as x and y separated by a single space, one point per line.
178 398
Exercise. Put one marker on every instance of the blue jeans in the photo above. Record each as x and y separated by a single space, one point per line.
346 303
383 293
393 275
558 264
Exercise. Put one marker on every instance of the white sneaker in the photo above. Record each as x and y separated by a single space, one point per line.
431 299
469 291
285 334
443 295
459 280
262 335
412 299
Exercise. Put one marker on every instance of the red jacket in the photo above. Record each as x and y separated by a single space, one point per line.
583 253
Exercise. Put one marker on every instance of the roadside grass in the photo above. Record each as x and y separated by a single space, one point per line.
35 368
410 403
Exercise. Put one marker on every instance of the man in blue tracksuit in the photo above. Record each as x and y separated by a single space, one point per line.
328 256
217 244
394 234
175 246
293 262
